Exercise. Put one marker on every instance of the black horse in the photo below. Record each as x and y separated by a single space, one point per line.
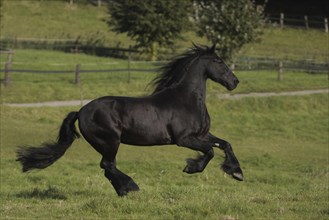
175 113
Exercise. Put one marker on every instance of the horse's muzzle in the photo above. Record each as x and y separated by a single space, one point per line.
234 84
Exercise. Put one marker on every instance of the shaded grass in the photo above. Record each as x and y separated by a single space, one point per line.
281 142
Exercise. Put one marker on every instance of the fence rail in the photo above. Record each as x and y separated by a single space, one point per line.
299 21
242 64
279 66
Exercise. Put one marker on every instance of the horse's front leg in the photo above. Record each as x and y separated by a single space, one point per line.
200 163
231 164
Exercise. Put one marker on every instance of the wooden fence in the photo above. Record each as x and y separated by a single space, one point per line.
7 66
242 65
77 71
300 21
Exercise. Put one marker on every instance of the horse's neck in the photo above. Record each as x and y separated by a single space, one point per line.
194 85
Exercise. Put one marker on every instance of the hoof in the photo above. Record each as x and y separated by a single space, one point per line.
132 186
193 166
238 176
129 187
235 172
122 193
188 169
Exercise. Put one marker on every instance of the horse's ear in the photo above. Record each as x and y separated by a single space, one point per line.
213 48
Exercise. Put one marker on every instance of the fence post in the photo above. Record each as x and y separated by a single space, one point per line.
281 20
306 21
77 74
7 81
129 60
10 56
280 71
99 3
7 74
233 66
326 25
76 45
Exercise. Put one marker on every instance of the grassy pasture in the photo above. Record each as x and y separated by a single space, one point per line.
281 142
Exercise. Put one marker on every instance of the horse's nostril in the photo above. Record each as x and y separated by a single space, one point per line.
236 81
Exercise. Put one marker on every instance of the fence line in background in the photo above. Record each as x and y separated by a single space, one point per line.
241 65
300 22
78 70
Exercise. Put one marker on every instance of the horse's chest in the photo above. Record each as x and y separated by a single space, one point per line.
192 123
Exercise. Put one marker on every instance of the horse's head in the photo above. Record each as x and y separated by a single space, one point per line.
218 71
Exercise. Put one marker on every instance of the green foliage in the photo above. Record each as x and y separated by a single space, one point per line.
231 24
150 23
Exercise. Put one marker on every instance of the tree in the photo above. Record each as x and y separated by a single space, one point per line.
230 24
150 23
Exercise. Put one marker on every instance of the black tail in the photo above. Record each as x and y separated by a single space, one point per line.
45 155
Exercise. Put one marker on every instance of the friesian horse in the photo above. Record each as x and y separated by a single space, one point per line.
175 113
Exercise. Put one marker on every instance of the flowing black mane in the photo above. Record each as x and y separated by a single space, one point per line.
174 71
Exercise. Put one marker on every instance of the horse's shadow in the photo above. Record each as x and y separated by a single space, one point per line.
48 193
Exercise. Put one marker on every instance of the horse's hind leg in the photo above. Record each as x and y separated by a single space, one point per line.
108 148
121 182
100 124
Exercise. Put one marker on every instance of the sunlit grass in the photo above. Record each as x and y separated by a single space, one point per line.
281 142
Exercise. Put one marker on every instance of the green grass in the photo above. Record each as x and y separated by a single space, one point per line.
281 142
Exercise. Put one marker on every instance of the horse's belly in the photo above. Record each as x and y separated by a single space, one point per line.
142 136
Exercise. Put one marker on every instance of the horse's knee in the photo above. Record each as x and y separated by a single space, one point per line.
106 164
211 153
